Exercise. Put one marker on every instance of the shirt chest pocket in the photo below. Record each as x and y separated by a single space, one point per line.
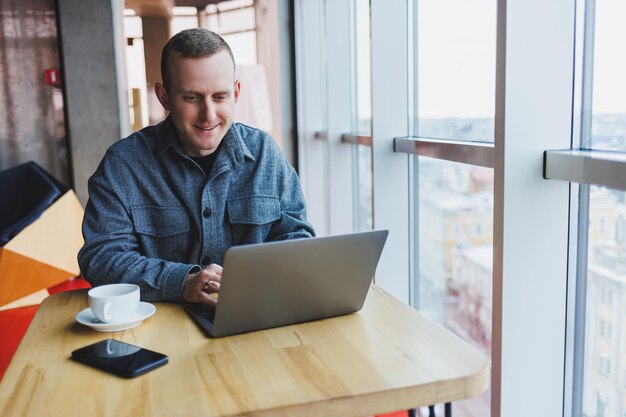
251 217
163 232
253 210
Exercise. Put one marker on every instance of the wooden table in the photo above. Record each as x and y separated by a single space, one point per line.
384 358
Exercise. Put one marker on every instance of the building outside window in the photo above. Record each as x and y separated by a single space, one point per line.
526 268
604 216
454 63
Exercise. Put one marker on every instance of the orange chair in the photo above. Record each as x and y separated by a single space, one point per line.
14 322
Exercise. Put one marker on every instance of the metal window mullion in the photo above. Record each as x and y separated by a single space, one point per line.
324 68
533 109
339 114
414 241
412 162
585 97
587 75
580 301
389 119
310 104
354 116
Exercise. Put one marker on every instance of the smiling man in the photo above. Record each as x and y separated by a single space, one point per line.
166 202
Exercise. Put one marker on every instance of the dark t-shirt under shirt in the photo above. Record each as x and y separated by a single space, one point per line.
206 162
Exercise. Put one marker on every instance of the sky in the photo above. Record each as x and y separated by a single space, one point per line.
457 58
456 55
609 78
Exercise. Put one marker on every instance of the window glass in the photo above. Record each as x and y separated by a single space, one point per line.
453 96
455 62
362 156
363 67
604 364
364 216
226 5
609 80
455 255
136 79
604 383
231 21
184 18
243 46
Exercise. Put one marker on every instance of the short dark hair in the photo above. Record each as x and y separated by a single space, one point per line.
192 43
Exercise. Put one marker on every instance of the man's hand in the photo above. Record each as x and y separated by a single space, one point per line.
204 286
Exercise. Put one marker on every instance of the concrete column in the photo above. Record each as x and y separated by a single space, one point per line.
156 33
94 77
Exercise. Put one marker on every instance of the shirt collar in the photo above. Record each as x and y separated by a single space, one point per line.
167 137
233 144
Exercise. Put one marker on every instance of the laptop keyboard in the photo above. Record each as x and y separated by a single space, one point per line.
201 312
209 314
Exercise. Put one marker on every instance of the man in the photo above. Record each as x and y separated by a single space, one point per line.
166 202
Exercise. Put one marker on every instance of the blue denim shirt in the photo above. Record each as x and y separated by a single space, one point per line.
153 216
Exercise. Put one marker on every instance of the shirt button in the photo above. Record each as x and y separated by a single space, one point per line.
205 261
206 213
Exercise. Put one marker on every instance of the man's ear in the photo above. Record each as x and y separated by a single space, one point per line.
161 94
237 88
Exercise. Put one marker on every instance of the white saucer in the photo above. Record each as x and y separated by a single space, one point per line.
87 318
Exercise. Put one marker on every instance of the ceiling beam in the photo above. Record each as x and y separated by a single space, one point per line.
152 8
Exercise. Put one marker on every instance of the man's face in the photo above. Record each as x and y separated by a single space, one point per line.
201 100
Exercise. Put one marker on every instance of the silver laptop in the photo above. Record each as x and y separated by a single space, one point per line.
279 283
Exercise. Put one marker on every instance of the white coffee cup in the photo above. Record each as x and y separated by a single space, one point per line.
114 303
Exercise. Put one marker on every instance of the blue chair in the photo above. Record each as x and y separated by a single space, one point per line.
26 191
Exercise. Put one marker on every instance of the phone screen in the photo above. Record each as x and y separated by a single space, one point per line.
120 358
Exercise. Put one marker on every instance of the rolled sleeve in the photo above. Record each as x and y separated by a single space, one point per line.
172 284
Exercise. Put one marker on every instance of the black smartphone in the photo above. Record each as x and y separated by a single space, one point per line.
120 358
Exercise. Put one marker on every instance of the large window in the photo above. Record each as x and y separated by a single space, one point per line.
454 228
455 67
609 75
604 369
479 109
599 377
453 96
235 21
136 70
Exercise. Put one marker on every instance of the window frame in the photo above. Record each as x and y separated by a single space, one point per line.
390 119
538 62
325 111
581 166
512 327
